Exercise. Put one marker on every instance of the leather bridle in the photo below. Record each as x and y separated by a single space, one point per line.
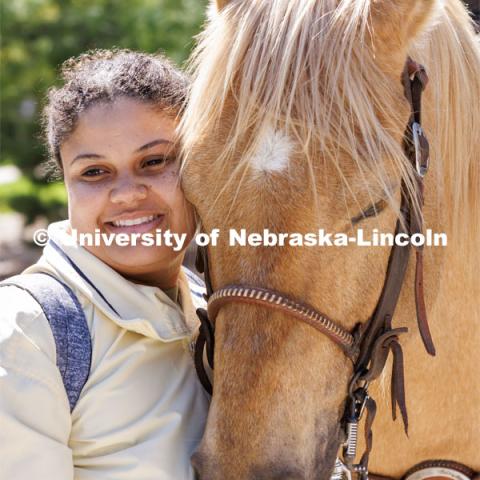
368 345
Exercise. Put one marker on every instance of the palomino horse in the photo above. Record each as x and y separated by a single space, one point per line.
296 122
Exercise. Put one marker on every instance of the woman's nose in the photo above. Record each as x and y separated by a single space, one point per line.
128 192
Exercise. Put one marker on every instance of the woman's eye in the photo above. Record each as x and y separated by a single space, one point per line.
154 161
93 172
158 161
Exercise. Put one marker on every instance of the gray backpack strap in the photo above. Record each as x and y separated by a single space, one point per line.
69 327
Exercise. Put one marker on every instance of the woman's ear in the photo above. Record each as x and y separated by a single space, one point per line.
396 24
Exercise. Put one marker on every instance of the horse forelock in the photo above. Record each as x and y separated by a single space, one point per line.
309 71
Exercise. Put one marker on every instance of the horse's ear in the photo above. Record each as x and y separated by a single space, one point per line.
396 23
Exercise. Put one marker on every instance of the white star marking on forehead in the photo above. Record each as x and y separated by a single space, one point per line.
273 152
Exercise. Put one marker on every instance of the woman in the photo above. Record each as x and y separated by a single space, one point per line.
140 410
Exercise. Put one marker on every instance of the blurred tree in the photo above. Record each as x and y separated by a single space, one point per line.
38 35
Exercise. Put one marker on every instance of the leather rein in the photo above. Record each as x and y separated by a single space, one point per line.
368 345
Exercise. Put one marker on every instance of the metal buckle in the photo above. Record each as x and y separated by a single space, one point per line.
420 144
351 427
341 471
356 404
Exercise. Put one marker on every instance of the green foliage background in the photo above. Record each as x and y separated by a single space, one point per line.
37 37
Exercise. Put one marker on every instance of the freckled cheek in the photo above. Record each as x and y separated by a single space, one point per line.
170 190
168 187
85 206
185 216
169 176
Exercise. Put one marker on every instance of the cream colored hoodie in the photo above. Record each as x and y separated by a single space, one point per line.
142 411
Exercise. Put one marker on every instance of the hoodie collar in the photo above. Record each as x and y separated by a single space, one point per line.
143 309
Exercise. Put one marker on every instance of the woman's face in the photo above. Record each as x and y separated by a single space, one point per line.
121 174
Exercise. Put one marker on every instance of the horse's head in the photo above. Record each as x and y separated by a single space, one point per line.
295 124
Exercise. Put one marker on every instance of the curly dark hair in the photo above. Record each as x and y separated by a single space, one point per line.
103 76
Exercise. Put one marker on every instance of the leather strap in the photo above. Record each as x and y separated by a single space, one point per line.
378 340
440 469
272 299
417 148
205 342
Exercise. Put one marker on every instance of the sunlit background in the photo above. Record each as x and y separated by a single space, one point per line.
37 36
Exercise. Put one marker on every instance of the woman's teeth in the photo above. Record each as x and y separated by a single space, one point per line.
136 221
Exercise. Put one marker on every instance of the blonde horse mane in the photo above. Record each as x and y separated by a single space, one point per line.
306 67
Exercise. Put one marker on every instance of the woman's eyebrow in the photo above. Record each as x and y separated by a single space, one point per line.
148 145
87 155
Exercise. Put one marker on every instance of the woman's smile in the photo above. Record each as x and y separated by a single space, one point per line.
135 223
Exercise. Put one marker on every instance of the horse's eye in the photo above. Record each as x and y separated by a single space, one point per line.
371 211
